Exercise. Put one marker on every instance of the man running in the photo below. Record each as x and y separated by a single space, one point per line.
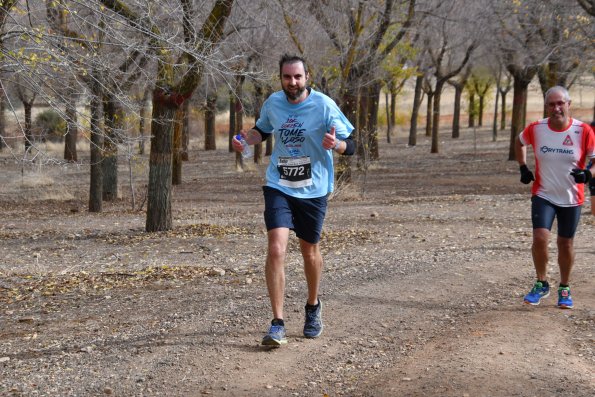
307 127
561 146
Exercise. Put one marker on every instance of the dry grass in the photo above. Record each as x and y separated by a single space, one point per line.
37 184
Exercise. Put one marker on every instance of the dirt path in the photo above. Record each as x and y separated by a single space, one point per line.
422 290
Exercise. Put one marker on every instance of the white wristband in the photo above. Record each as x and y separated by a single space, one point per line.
337 145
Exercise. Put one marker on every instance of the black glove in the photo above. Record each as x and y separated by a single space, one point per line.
581 176
526 174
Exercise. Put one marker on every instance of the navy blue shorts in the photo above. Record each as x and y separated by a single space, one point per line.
304 216
543 213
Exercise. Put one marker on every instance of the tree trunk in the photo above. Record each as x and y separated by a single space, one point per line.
518 107
393 111
524 123
429 112
495 122
176 177
436 116
27 106
232 119
363 143
70 138
239 110
374 91
417 98
159 217
258 100
96 184
388 122
471 111
114 119
144 114
2 117
185 130
456 119
503 111
210 111
349 103
481 104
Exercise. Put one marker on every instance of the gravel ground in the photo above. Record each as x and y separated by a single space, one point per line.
427 258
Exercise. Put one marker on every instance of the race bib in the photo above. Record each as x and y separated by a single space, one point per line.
295 171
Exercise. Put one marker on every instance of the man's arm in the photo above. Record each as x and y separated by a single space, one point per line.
520 151
345 147
254 136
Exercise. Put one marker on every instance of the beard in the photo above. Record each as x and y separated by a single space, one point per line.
294 96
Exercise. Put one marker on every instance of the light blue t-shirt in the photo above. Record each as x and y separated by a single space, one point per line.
299 165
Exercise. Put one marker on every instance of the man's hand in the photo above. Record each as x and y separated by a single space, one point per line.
330 140
526 174
581 176
236 144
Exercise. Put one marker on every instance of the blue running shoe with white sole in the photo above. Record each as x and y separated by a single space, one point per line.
564 298
313 324
538 292
275 336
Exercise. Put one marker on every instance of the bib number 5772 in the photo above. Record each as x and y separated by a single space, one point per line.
295 172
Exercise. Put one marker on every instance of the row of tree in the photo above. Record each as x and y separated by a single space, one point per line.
116 56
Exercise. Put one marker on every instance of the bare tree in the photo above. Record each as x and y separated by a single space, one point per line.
6 7
27 98
365 36
449 50
568 36
588 5
517 33
481 80
428 88
459 85
72 131
175 81
96 143
417 100
2 116
116 39
503 90
210 113
394 74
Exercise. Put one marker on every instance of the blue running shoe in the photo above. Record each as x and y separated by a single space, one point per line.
275 336
564 298
313 325
538 292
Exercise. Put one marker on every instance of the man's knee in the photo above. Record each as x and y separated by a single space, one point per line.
541 237
565 243
276 250
310 252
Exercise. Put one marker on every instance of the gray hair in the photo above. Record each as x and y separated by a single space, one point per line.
560 89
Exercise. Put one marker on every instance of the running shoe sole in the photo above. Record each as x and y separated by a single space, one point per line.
267 341
538 302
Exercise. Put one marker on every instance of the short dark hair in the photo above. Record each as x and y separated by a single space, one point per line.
288 58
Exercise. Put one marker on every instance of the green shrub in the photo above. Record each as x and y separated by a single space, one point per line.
51 126
400 118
